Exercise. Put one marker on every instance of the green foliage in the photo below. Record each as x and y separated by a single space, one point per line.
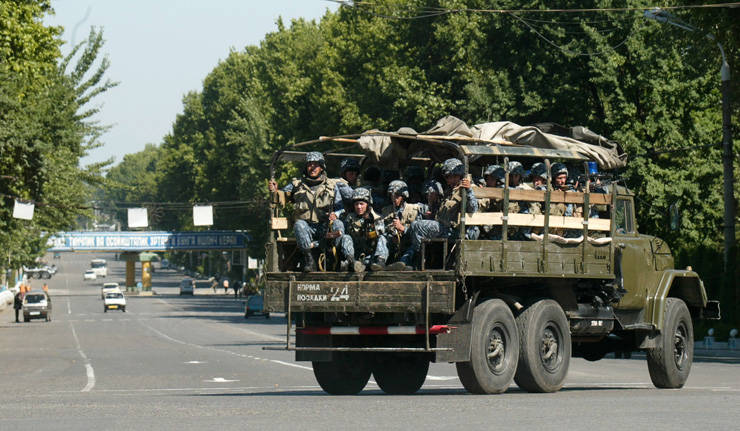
44 128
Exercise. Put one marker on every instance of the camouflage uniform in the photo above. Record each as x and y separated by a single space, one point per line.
448 216
406 213
313 200
363 236
344 197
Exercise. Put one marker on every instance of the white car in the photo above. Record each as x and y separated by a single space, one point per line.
114 301
109 288
90 275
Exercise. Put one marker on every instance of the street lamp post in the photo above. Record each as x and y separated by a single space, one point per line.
662 16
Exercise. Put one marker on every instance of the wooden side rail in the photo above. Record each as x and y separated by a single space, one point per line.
536 220
556 196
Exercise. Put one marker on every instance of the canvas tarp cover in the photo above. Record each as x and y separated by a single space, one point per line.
606 153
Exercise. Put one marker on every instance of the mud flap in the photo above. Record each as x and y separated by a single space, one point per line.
458 339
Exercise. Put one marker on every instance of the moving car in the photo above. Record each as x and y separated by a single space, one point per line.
254 307
90 275
109 288
100 266
164 264
187 287
36 305
114 301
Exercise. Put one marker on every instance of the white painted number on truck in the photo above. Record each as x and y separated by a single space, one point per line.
338 295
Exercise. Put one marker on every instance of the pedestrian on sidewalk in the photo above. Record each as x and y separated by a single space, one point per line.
226 285
237 288
17 304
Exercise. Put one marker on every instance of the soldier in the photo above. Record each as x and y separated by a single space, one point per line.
399 215
433 193
364 242
313 200
494 176
560 182
349 172
448 217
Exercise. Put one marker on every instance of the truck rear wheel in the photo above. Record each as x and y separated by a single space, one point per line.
346 374
545 347
494 349
400 374
670 362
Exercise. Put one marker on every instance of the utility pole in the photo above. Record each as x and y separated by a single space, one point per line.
662 16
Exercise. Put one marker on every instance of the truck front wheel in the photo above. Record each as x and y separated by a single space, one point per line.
346 374
545 347
494 349
399 374
670 362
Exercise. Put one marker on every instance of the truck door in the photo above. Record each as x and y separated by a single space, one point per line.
636 261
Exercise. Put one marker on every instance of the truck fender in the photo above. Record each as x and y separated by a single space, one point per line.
683 284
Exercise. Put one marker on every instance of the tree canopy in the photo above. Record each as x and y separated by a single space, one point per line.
45 127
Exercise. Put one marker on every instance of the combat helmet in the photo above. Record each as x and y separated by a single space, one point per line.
539 170
495 171
315 156
348 165
516 168
362 194
453 167
398 187
558 169
432 186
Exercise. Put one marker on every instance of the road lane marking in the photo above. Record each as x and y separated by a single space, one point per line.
220 380
174 340
88 368
69 307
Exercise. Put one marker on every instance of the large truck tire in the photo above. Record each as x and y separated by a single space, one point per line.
544 347
670 362
346 374
399 374
494 349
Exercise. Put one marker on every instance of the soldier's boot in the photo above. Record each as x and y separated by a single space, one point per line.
358 266
378 265
347 264
309 264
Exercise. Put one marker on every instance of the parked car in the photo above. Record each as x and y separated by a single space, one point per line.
36 305
253 307
187 287
114 301
90 275
109 288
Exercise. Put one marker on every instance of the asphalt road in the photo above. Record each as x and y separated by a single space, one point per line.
174 362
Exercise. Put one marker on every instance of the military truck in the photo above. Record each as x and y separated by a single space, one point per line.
501 310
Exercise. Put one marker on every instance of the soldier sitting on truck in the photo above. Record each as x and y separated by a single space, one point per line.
448 217
494 176
313 200
363 242
433 192
398 216
349 172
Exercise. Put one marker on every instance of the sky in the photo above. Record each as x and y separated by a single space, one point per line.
160 50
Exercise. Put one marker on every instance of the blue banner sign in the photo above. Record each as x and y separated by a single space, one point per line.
147 241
